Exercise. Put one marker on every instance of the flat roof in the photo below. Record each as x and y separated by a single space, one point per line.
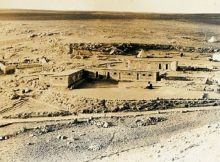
125 70
67 72
48 73
154 60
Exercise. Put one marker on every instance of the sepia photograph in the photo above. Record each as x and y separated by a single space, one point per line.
109 81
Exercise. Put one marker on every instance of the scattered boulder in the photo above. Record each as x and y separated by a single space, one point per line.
213 39
33 35
61 137
44 60
26 90
149 121
13 96
29 143
2 138
105 125
95 147
99 124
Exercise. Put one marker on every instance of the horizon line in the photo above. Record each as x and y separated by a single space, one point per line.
113 11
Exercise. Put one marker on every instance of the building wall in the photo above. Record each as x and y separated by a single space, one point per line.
123 75
75 77
147 65
10 69
45 78
66 80
60 81
120 75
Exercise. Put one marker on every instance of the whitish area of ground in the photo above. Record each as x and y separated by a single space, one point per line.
198 145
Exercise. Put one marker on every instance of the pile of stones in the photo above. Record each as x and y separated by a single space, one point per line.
98 106
38 114
149 121
133 48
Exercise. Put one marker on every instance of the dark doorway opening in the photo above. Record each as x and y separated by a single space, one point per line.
101 76
108 75
160 66
96 74
158 78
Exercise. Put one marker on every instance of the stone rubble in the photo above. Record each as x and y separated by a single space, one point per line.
95 147
124 48
149 121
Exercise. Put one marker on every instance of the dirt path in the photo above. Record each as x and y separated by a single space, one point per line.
103 115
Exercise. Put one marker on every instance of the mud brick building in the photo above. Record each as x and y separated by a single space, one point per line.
154 65
137 70
73 78
70 78
123 75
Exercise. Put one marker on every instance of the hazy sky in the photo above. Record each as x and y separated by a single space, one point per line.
177 6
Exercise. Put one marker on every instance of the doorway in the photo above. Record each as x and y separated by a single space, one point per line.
108 75
96 75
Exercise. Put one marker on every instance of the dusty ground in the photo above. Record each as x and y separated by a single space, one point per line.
34 39
199 144
85 142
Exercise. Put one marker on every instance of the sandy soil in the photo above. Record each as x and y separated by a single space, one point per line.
198 145
53 39
123 139
86 142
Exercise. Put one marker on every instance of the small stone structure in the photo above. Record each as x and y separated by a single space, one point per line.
7 68
70 78
147 65
10 67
